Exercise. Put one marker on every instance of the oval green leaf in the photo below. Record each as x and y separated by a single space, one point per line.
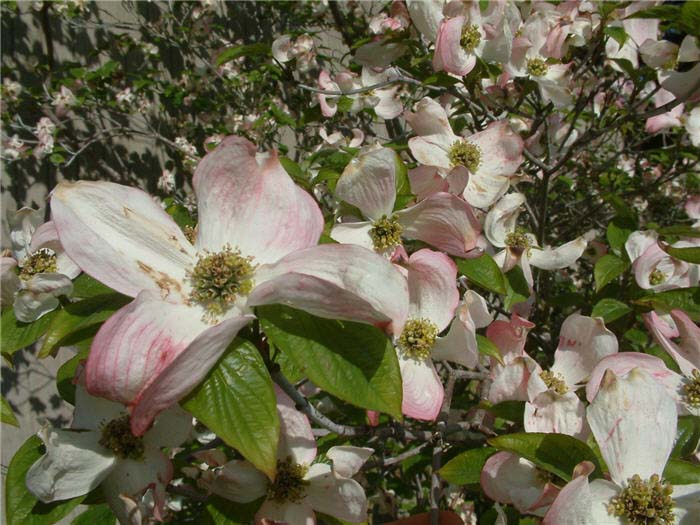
237 402
555 453
607 268
355 362
17 335
610 309
465 468
484 272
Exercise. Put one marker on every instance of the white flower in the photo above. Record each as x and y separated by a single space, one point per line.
99 449
64 97
39 271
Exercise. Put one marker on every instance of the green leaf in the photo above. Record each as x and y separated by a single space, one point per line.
555 453
465 468
608 268
17 335
619 229
686 299
292 168
617 33
179 213
237 402
57 158
78 319
21 507
225 512
679 472
483 271
680 231
687 436
66 373
85 286
487 347
7 416
662 12
517 289
610 309
354 362
96 515
691 255
690 18
247 50
510 410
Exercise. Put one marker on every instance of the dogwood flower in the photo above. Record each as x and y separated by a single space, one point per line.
634 423
39 272
255 244
478 166
369 183
100 450
654 269
553 405
300 486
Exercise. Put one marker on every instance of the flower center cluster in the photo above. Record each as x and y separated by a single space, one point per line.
656 277
519 240
692 389
41 261
537 67
644 502
464 153
218 278
554 382
418 338
289 484
386 232
117 437
471 37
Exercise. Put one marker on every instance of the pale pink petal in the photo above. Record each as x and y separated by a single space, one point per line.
583 341
171 428
348 460
46 236
281 48
686 355
508 478
121 237
502 219
239 481
509 336
562 414
509 383
459 344
353 233
9 281
637 243
634 422
425 180
296 438
430 118
444 221
501 154
422 390
623 362
449 55
581 503
687 500
432 287
426 16
561 257
183 372
133 477
39 295
478 309
336 496
252 204
74 463
337 281
369 182
287 513
431 150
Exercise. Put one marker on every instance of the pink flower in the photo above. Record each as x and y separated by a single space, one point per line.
255 244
